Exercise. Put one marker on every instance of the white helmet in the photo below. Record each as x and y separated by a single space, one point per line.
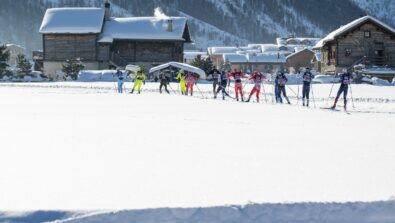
344 70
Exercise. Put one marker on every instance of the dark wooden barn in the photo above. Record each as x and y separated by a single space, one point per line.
365 40
103 42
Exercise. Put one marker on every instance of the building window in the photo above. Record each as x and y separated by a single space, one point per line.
348 52
367 34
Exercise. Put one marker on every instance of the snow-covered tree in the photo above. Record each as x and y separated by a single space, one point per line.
205 64
23 66
4 57
72 67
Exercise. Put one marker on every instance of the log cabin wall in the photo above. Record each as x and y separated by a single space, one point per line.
60 47
131 51
368 40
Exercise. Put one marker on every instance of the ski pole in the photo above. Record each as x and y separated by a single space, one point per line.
297 101
264 92
352 98
312 92
273 93
200 91
172 89
291 90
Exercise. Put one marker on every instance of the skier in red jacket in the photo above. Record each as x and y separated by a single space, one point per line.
257 78
191 80
237 75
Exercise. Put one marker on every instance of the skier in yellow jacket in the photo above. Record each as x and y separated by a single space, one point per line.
181 78
139 79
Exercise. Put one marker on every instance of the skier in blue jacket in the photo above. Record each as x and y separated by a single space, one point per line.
307 78
345 80
120 77
280 82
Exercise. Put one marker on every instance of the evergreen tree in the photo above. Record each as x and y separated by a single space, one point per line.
23 66
227 66
205 64
4 57
72 67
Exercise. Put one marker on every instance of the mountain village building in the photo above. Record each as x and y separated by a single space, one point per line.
102 42
365 41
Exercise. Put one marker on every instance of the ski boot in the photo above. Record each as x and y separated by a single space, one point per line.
132 91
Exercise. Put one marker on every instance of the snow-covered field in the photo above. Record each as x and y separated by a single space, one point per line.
82 146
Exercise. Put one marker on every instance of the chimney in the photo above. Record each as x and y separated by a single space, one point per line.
107 13
169 27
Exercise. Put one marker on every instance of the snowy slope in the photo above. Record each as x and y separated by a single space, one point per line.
382 9
85 147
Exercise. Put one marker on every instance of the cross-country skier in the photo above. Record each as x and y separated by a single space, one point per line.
139 79
215 74
223 82
181 78
237 75
120 77
164 81
345 80
307 78
280 82
257 78
191 80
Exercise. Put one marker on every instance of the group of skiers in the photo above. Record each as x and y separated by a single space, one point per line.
221 81
139 80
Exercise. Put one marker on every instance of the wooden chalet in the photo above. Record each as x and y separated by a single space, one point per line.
102 41
364 41
299 60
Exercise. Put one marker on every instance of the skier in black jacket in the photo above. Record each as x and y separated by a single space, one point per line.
307 78
164 81
215 74
223 82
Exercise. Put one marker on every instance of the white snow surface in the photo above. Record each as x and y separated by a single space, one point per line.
139 28
75 145
331 36
72 20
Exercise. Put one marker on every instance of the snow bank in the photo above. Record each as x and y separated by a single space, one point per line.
358 212
325 79
98 75
380 82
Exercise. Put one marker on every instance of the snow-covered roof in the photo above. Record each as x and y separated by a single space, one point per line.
266 58
193 54
269 47
297 52
182 66
235 58
72 20
222 50
349 26
143 28
11 45
255 58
